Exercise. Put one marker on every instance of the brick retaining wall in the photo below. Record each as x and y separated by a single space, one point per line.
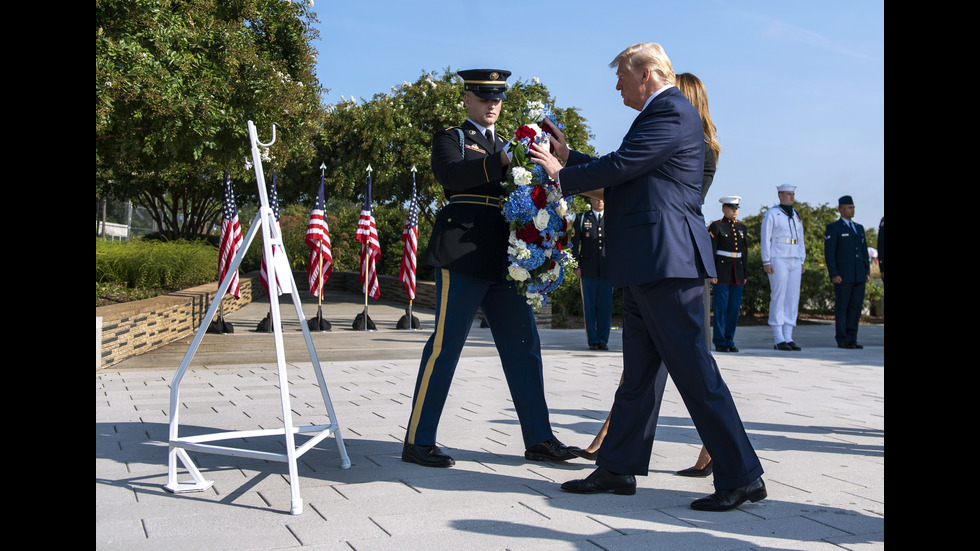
126 330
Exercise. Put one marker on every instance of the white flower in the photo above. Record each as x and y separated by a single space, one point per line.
541 219
517 273
522 176
518 248
535 300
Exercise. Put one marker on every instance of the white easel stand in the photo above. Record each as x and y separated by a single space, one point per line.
278 270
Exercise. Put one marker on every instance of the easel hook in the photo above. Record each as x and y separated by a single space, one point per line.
270 143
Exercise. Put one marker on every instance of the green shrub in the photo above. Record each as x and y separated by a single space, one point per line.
152 264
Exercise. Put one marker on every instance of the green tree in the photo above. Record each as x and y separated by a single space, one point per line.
393 132
175 83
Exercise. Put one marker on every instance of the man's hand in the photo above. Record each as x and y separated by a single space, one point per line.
549 162
767 268
557 140
836 280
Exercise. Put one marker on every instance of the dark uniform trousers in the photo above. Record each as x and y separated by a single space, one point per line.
515 334
468 249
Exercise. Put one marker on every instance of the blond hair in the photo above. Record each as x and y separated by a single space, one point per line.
648 55
694 91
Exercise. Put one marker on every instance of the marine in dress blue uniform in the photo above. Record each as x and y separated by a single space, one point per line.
588 248
730 246
846 255
468 249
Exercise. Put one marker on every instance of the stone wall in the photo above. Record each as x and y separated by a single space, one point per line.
126 330
131 328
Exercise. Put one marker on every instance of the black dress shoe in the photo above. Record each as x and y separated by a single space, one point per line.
593 346
782 346
549 450
602 346
601 481
698 473
427 456
793 346
724 500
733 348
723 348
579 452
851 345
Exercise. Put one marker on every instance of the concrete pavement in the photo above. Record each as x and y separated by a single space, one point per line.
816 419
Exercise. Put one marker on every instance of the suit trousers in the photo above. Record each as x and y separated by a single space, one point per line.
515 335
663 332
597 300
727 302
847 310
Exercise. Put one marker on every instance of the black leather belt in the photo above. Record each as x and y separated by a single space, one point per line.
485 200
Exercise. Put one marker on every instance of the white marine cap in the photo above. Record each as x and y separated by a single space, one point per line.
730 200
785 187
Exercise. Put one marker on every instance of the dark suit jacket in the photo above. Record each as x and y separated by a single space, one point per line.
652 188
587 245
466 238
846 252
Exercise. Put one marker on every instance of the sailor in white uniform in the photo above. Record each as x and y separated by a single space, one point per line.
783 255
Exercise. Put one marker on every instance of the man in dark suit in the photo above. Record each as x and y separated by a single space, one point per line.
659 252
468 249
588 248
846 253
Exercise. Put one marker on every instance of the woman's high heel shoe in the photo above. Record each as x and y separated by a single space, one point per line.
698 473
579 452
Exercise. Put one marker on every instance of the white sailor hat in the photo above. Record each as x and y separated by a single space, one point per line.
785 187
730 200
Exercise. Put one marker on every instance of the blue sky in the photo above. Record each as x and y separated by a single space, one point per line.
795 87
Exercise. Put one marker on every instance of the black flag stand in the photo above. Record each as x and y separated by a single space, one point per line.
403 321
219 325
317 323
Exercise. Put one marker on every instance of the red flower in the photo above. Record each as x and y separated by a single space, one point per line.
530 234
525 132
539 196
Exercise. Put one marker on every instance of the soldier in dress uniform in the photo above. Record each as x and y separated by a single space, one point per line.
468 249
730 246
846 254
783 255
588 248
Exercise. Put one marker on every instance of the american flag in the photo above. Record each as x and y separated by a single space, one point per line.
410 235
367 234
263 274
231 238
318 238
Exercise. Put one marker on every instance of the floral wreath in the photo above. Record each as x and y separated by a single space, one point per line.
537 214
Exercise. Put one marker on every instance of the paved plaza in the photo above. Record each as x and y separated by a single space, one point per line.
816 418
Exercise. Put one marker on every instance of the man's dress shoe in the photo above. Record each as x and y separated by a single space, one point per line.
724 500
427 456
723 348
600 481
851 345
549 450
733 348
698 473
782 346
793 346
602 346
